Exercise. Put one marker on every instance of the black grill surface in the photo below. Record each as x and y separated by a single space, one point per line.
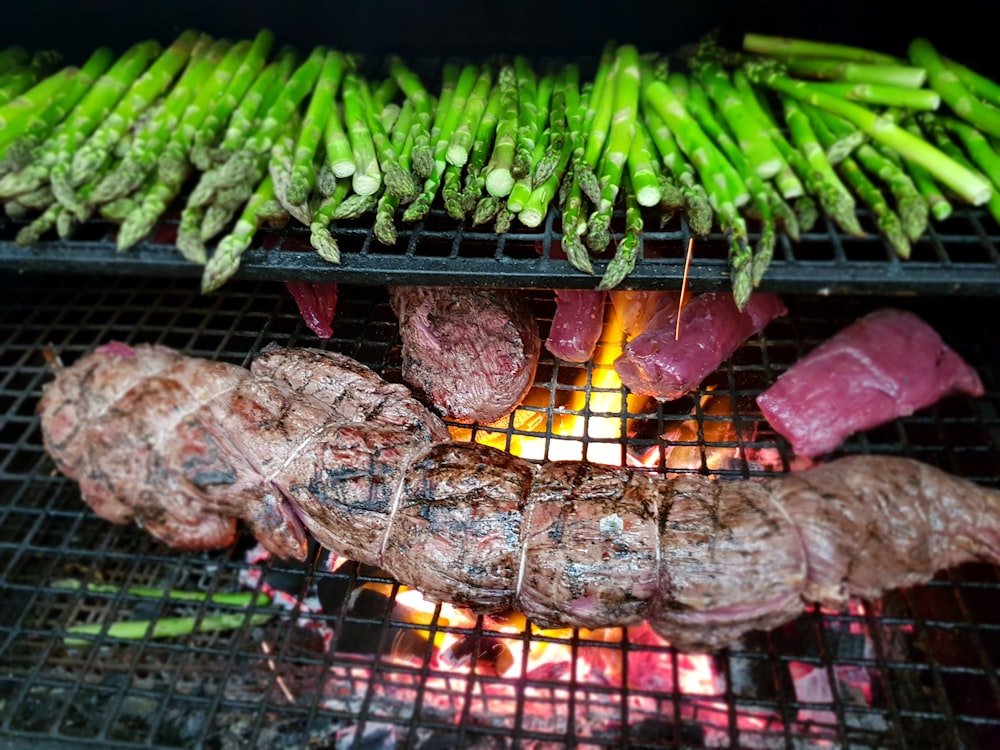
339 663
957 256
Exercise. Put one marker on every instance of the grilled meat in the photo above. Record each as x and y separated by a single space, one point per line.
471 352
886 365
660 364
184 446
312 440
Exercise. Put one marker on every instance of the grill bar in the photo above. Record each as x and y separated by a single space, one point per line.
957 256
339 663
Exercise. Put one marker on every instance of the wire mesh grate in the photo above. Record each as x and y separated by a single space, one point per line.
958 255
345 658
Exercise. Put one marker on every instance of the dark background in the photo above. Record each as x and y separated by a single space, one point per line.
962 29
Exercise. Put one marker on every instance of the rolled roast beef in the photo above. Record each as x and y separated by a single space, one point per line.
309 440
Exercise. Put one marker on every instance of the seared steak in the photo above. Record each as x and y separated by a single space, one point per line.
471 352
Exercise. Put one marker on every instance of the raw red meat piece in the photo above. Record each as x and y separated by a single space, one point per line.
888 364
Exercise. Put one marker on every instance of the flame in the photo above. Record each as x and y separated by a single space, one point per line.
587 424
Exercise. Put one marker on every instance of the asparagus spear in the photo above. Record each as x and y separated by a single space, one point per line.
367 177
643 170
447 123
402 181
940 135
499 179
261 95
164 627
829 69
245 163
719 177
612 165
977 84
558 126
912 208
249 160
537 204
17 141
944 81
521 190
240 84
225 261
696 202
530 95
413 88
303 174
970 186
464 136
833 196
597 122
61 145
763 155
765 44
481 149
940 205
977 146
319 229
140 95
399 180
147 146
175 160
763 201
888 221
239 599
883 95
627 251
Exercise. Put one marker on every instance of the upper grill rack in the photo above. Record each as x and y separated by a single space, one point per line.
959 255
916 669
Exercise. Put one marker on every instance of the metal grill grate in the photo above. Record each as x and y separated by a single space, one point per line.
339 664
959 255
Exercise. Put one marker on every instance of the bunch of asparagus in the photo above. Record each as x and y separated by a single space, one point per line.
768 137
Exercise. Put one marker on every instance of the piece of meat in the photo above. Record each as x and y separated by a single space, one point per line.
186 446
317 303
641 310
577 324
660 364
301 443
471 352
886 365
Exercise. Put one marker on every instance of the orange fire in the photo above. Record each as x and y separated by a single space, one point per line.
587 425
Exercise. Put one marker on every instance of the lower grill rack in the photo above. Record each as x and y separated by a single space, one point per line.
343 657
